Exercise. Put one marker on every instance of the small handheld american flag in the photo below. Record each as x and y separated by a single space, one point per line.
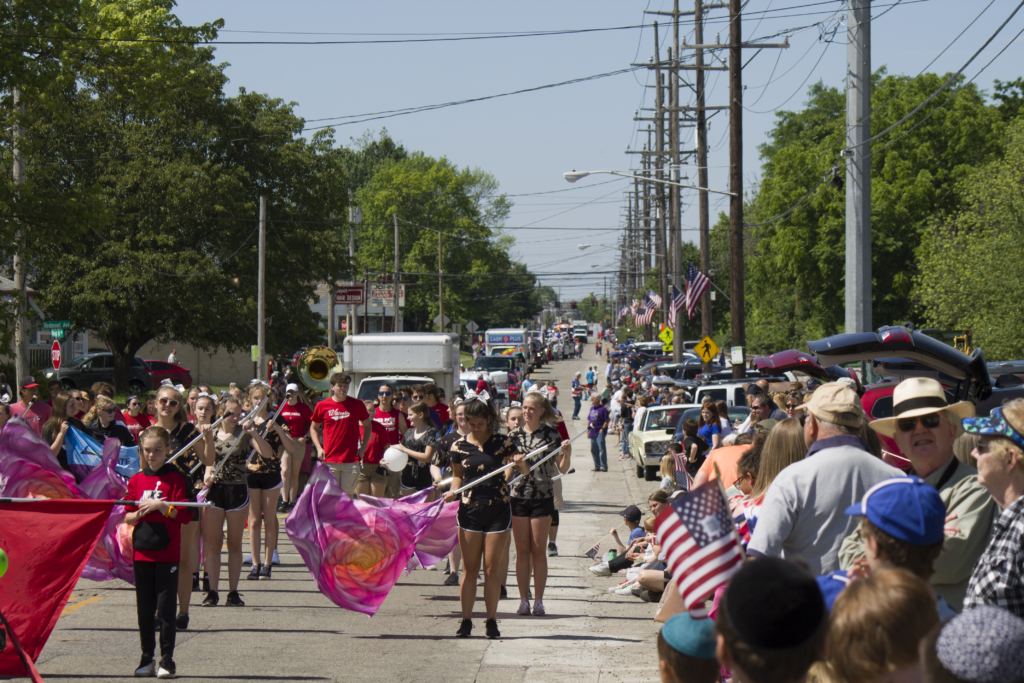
700 542
592 553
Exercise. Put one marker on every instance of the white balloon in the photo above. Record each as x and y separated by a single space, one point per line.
396 460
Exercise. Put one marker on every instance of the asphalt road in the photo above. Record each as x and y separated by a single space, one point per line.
289 632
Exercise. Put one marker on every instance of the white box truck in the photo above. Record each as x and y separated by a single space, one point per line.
401 359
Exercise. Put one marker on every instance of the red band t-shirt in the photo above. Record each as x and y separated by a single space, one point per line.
385 433
137 425
341 428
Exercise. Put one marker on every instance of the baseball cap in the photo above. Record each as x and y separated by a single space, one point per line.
292 387
689 636
28 382
631 514
907 508
773 604
754 390
812 383
831 400
995 424
765 426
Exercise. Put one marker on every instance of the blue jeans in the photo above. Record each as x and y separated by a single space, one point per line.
576 411
627 427
598 451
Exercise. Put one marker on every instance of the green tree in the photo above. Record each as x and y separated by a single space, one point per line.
970 277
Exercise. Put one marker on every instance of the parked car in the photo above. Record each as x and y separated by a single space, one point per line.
160 370
792 361
83 371
648 442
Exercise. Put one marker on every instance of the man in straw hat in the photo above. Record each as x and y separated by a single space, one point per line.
924 427
802 514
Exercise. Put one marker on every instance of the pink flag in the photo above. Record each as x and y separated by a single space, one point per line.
439 539
355 550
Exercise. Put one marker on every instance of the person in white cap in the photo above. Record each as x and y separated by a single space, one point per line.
924 427
803 511
298 416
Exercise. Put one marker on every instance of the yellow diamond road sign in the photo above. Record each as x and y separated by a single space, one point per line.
706 349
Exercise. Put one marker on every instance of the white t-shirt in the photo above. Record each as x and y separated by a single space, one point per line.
616 402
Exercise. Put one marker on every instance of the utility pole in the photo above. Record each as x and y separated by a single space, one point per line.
858 167
261 369
355 215
332 318
706 327
440 282
677 232
737 307
20 282
395 282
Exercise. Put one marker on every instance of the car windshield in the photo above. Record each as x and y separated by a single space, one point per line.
77 363
662 419
368 388
493 363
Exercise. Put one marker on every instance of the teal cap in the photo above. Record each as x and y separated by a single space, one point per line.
693 637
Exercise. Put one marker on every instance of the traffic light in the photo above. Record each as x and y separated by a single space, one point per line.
595 302
573 305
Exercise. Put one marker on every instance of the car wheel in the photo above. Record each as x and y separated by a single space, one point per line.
639 471
651 473
136 387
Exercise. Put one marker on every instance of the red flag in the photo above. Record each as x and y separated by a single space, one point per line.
47 544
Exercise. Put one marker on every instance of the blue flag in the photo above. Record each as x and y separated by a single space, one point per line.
85 453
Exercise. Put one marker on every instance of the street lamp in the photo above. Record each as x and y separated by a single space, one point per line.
573 176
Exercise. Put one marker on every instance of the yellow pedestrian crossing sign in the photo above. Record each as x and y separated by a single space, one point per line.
706 349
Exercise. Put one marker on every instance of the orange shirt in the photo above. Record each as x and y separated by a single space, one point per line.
727 458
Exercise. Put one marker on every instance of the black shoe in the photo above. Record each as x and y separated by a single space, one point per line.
254 573
504 593
195 582
264 572
211 599
491 627
452 580
233 600
206 582
465 629
181 623
166 668
282 506
650 596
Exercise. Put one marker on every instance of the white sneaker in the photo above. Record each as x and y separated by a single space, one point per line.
247 560
146 670
601 569
161 672
625 590
524 608
274 559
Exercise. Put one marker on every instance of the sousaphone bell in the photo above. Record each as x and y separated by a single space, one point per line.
315 367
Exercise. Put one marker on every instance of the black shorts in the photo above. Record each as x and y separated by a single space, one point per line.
228 496
485 519
267 481
534 508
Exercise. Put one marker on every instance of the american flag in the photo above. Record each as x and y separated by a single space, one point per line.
682 476
655 299
678 301
645 313
624 311
592 553
700 543
696 283
636 304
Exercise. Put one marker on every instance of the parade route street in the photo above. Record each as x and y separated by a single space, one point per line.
288 631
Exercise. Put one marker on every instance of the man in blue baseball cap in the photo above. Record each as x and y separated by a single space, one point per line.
998 577
901 526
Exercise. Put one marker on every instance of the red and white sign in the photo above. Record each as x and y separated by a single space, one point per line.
349 295
344 325
55 355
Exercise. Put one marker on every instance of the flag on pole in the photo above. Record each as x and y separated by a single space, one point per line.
592 553
678 301
700 542
623 312
655 299
696 283
645 313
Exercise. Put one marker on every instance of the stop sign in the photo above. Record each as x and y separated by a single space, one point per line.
55 355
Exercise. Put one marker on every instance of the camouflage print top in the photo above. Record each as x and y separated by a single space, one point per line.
234 470
479 462
261 465
536 484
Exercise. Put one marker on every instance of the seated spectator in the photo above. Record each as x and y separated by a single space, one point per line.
901 526
875 629
631 518
771 623
800 515
998 577
686 650
746 472
726 458
984 645
924 427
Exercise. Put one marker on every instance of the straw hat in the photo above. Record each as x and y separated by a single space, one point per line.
919 396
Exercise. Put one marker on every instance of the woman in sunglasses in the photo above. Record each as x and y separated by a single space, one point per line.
135 420
101 425
794 400
375 479
171 415
65 405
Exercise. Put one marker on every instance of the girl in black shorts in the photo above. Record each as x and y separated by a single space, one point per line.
230 498
171 415
264 481
485 514
418 443
533 500
441 468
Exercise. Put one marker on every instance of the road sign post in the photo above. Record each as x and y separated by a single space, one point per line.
56 324
472 327
706 349
55 355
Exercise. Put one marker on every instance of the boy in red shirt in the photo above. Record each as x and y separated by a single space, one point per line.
342 447
156 541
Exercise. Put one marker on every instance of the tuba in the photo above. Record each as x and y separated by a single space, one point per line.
315 367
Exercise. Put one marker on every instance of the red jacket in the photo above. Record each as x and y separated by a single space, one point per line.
165 532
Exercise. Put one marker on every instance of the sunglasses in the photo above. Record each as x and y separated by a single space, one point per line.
793 405
108 410
383 393
930 421
172 402
406 398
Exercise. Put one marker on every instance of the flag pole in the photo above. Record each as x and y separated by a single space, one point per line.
184 503
507 467
543 460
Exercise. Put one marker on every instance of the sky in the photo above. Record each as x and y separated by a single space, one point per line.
528 140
